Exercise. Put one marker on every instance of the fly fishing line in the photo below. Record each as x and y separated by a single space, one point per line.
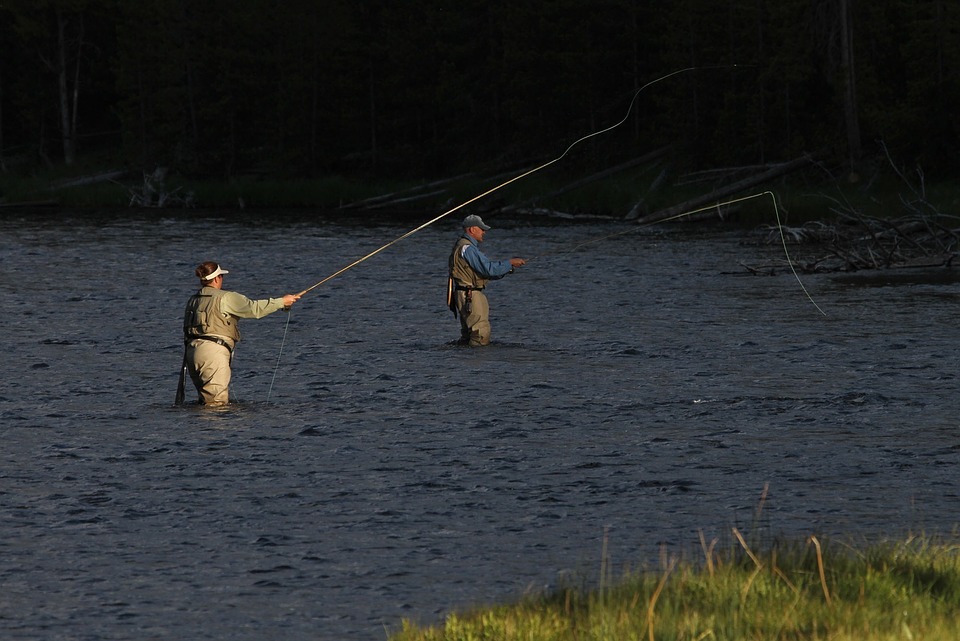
283 340
776 212
510 181
498 187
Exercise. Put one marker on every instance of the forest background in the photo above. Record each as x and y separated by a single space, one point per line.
418 90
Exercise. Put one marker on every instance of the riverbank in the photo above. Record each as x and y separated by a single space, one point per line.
909 589
632 193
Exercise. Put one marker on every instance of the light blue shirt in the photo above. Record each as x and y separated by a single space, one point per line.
478 261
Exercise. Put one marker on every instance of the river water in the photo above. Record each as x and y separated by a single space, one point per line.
641 392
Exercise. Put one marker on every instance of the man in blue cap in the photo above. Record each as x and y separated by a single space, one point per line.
470 270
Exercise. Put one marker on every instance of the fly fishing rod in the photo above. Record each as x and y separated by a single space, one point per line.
487 193
512 180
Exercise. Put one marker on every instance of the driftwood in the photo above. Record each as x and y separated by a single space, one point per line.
426 191
544 212
108 176
403 196
154 192
727 191
653 155
854 244
403 201
31 203
921 237
638 207
439 188
720 174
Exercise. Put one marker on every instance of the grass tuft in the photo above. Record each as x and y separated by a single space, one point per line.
812 590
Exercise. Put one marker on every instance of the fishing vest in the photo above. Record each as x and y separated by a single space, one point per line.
460 270
203 317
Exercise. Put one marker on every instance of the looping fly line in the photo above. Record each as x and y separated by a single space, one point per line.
717 206
512 180
490 191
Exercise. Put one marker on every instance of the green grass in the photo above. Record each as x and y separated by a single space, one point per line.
809 591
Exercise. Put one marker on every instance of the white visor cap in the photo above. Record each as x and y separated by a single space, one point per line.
217 272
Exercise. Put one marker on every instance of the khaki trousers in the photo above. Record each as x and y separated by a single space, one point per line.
475 320
209 367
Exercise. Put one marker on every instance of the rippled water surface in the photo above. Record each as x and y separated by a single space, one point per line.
644 385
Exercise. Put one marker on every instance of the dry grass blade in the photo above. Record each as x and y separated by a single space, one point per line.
823 576
651 605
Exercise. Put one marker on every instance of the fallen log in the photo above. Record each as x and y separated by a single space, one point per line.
154 192
867 243
637 210
403 201
405 195
31 203
724 192
600 175
88 180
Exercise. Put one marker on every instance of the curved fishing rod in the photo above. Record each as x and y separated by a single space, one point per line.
486 193
512 180
776 211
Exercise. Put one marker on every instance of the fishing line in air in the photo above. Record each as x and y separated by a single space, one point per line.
512 180
776 212
491 190
283 340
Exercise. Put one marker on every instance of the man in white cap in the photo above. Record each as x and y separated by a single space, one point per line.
470 270
210 332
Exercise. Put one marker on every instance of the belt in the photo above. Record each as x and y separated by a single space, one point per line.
212 339
462 288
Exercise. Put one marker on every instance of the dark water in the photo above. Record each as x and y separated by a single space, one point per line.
644 386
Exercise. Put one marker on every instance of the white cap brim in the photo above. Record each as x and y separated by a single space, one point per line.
217 272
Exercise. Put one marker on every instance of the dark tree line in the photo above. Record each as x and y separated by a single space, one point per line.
431 87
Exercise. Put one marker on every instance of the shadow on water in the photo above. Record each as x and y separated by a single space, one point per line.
634 388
